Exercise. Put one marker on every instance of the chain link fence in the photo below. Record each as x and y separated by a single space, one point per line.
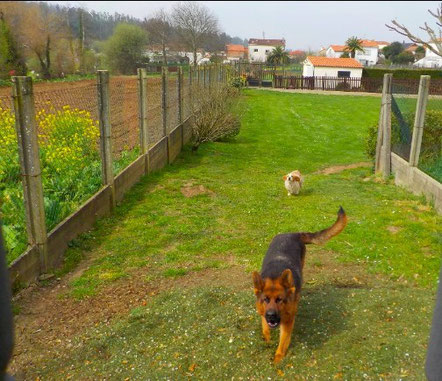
403 109
430 159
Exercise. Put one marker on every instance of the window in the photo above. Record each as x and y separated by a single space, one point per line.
255 50
343 74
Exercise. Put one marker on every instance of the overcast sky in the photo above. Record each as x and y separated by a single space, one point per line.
304 24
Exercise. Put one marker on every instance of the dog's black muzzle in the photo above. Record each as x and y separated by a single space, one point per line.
273 319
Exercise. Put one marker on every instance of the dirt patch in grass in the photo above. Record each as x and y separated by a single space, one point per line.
394 229
190 190
340 168
49 318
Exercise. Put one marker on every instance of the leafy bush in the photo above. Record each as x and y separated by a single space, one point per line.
215 112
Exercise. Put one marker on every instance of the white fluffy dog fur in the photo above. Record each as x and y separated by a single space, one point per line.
293 182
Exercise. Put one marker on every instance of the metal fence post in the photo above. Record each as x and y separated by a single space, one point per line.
421 106
142 107
26 129
105 131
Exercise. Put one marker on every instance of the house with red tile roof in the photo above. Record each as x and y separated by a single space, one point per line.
236 52
367 57
260 48
332 67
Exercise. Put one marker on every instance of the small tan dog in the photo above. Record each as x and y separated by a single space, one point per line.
293 182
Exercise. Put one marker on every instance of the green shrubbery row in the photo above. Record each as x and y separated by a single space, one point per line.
401 73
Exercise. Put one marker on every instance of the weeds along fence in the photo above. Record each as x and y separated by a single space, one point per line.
69 152
409 141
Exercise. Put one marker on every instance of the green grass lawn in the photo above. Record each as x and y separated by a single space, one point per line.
368 299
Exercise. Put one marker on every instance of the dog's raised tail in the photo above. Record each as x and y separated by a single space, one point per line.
324 235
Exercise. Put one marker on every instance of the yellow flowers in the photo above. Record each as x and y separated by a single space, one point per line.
66 137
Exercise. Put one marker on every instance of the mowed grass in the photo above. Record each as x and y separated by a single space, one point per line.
354 331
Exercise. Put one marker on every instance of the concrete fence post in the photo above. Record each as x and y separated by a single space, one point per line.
383 146
164 79
142 109
105 131
421 107
25 125
180 95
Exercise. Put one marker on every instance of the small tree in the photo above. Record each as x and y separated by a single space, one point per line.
403 58
160 30
393 50
278 56
194 23
10 58
353 45
345 55
435 42
124 49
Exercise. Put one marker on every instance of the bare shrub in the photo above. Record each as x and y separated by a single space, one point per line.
216 113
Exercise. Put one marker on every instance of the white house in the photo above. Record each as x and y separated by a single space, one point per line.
367 57
431 59
335 51
332 67
259 49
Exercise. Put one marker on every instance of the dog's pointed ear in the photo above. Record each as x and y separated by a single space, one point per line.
284 177
287 280
258 283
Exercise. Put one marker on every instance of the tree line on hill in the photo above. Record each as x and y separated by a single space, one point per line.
56 40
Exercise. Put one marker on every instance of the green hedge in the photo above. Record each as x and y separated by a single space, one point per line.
401 73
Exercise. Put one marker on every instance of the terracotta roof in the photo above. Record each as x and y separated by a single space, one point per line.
334 62
412 48
268 42
383 43
339 48
296 52
235 48
369 44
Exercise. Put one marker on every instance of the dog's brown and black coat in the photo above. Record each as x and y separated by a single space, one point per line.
278 286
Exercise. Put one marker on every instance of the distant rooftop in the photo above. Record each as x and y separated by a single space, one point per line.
334 62
268 42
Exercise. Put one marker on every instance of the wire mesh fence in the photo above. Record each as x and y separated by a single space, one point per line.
12 210
403 109
430 158
68 136
154 110
123 98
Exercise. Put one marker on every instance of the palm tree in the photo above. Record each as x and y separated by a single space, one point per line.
354 44
278 56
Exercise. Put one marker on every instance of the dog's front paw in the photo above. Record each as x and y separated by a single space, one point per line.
278 358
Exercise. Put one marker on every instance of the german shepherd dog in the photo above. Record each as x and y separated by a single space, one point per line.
278 287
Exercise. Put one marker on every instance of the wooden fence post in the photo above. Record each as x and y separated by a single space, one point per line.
421 106
26 129
191 74
142 107
385 154
107 175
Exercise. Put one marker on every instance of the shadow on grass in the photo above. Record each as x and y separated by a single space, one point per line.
321 315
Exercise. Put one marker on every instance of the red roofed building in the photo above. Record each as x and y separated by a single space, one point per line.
369 56
332 67
260 48
236 52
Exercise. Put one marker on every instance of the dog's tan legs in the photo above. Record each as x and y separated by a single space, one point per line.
265 329
284 340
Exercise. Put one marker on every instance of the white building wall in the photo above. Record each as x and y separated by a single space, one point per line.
368 57
332 54
261 53
307 69
333 71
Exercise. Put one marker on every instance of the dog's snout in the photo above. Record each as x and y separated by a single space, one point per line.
271 315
